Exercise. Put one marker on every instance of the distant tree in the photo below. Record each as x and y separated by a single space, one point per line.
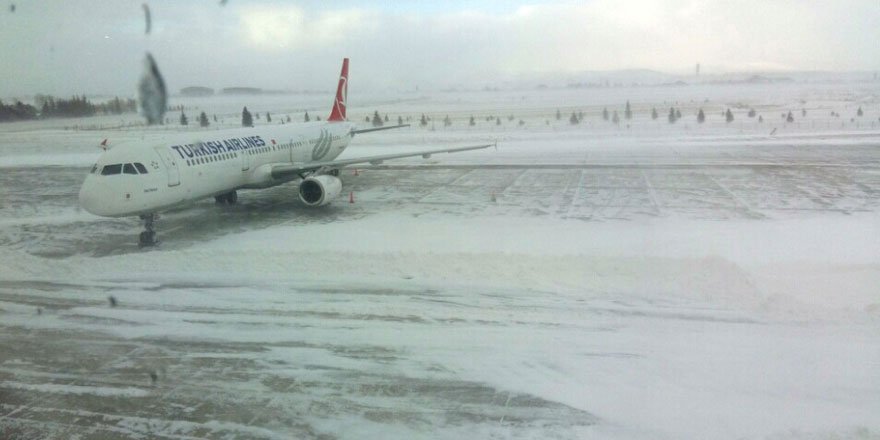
615 119
257 114
446 121
318 118
498 121
604 113
574 119
671 116
627 113
400 120
203 120
760 119
859 112
306 118
268 117
752 113
803 113
472 122
367 119
510 118
386 117
423 121
558 115
215 118
246 119
183 119
288 118
677 113
701 117
377 120
17 112
728 116
654 114
580 116
521 122
789 118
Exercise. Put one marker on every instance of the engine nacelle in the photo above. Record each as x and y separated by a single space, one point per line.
319 190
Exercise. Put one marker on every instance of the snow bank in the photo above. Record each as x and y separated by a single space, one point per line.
803 268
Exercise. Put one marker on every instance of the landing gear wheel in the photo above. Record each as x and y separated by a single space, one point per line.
229 198
148 236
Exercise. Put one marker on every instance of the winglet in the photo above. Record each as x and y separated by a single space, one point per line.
338 111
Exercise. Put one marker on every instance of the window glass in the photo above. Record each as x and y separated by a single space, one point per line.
128 169
94 168
140 167
111 169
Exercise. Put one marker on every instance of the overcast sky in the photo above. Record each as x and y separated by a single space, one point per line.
97 46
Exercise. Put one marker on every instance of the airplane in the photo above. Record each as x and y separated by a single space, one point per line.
144 179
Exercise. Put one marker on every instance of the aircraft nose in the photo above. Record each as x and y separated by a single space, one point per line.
89 198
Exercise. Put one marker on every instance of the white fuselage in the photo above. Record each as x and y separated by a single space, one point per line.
184 168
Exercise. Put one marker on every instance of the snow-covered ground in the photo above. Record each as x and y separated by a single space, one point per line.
643 281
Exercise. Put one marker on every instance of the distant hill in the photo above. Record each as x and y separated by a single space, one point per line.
242 91
196 91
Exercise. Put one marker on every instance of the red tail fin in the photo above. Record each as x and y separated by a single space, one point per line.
338 111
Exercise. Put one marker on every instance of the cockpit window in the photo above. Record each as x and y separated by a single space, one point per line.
128 169
94 168
140 167
111 169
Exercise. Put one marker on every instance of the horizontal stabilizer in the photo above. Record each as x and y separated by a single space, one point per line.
367 130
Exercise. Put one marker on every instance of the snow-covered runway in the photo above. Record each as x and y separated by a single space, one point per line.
659 282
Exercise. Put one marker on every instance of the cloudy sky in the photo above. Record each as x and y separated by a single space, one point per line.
97 46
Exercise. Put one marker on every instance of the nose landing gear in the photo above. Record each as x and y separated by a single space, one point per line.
148 237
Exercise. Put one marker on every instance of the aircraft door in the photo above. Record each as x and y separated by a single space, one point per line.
170 165
245 160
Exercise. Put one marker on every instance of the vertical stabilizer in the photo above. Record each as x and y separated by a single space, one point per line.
338 111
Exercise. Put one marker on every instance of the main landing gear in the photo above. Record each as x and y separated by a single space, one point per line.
148 237
229 198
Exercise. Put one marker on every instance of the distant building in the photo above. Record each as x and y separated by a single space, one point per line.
196 91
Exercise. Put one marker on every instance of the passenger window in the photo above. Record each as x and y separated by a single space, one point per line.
128 169
111 169
140 167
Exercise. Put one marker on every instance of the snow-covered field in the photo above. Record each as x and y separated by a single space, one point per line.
638 281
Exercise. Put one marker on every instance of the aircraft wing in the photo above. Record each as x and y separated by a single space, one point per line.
281 171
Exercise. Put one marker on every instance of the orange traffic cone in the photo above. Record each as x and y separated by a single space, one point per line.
351 197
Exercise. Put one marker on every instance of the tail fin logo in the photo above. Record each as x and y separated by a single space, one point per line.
338 111
343 94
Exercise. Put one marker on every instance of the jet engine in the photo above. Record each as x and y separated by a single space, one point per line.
319 190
